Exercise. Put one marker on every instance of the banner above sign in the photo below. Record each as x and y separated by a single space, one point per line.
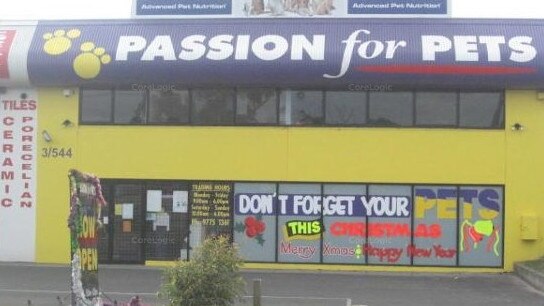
289 8
384 8
181 8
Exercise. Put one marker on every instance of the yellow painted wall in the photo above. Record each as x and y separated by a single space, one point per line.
52 236
296 154
524 174
440 156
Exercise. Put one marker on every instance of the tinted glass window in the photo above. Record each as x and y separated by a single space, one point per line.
377 219
211 206
255 232
289 240
169 106
436 108
431 209
130 106
257 106
213 106
301 107
96 105
345 107
391 108
338 244
481 110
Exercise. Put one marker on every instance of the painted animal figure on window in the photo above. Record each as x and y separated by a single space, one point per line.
476 232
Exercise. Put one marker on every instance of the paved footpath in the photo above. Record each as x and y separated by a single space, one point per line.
43 283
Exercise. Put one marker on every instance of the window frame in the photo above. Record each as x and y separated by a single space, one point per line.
366 106
187 123
278 123
80 107
323 105
146 108
192 106
502 105
439 126
413 108
277 93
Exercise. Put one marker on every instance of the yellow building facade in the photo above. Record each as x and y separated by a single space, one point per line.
427 156
462 168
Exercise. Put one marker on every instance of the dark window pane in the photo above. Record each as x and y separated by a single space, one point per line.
169 106
391 109
482 110
213 106
104 231
301 107
96 105
345 108
129 106
128 227
257 106
436 108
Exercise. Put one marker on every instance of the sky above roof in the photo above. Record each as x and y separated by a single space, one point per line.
107 9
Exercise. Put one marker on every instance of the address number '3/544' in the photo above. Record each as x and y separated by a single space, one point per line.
52 152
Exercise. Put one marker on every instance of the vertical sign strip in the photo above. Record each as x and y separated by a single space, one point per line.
18 123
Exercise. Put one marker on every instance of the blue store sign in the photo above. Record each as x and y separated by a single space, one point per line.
293 53
289 9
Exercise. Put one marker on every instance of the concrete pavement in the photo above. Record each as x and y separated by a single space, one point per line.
43 283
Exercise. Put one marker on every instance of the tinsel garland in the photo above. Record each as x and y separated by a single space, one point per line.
77 286
74 223
98 191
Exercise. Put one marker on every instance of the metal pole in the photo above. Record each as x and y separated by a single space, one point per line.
256 292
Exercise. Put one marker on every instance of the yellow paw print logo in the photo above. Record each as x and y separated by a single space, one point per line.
60 41
87 65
